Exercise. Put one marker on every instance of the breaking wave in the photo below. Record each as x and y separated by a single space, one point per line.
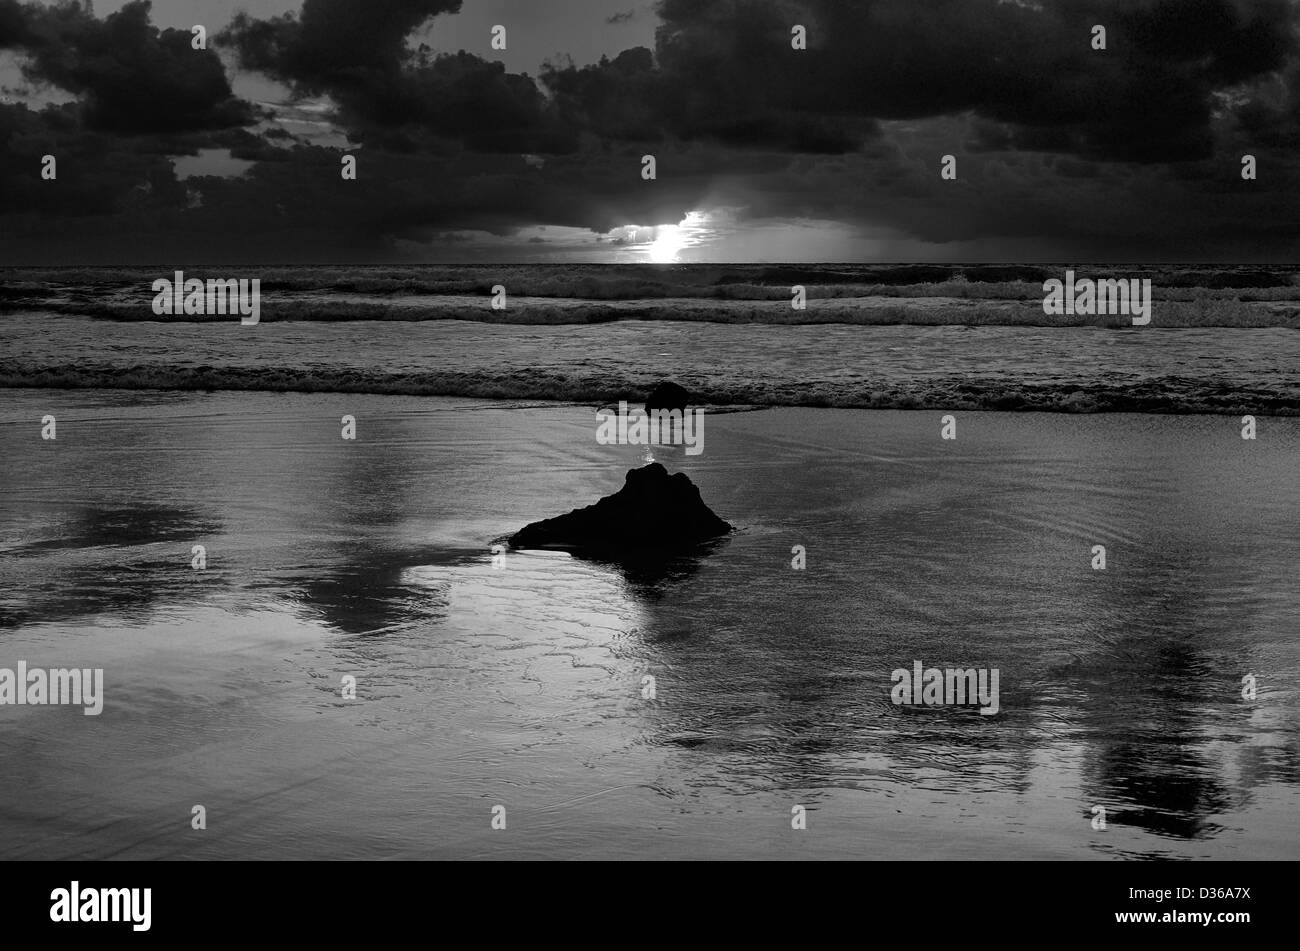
1164 394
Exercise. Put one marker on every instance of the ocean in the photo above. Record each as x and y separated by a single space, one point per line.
728 334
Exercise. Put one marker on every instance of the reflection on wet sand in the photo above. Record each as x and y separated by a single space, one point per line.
119 563
521 681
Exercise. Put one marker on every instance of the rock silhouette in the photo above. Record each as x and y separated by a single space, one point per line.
667 395
653 510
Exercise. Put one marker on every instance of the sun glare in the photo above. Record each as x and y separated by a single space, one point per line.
669 241
664 243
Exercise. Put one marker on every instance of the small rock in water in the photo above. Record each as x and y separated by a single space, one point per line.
667 395
652 510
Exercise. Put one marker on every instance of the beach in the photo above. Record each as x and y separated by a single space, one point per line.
522 685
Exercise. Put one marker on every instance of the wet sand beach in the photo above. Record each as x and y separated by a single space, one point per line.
522 685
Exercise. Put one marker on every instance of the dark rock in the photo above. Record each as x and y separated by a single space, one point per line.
667 395
652 510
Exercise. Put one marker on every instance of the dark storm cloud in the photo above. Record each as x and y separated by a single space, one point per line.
419 194
1134 147
144 95
1271 116
389 95
726 69
293 206
98 173
13 23
332 42
129 75
629 98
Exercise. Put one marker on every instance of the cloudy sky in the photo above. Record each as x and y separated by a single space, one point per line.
763 152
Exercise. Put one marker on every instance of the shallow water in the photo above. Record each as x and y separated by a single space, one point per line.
521 686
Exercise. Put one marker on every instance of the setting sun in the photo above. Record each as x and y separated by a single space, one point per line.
669 240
